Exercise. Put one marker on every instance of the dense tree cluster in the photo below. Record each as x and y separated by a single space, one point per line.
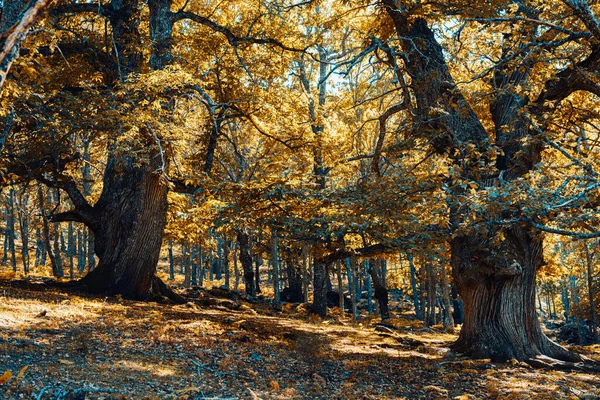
446 147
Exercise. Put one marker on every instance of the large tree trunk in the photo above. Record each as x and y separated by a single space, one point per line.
496 282
499 299
131 217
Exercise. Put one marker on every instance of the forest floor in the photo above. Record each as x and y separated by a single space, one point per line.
53 342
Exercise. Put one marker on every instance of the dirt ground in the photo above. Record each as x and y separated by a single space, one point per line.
54 343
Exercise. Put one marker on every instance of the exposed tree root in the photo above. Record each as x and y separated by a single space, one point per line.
545 362
161 293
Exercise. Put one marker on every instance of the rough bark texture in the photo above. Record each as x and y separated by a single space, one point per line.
500 320
496 283
320 272
246 261
131 217
381 292
293 292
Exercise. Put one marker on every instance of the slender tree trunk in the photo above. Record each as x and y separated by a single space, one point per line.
258 262
194 262
6 232
367 279
591 293
340 288
81 250
171 262
71 249
226 262
23 215
236 267
381 292
448 321
539 299
305 269
187 266
246 261
352 284
565 299
202 269
59 271
10 229
431 295
38 247
552 295
413 285
56 271
275 261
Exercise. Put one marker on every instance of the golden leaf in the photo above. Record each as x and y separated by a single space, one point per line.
5 377
21 373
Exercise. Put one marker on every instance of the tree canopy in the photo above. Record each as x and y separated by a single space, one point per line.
465 132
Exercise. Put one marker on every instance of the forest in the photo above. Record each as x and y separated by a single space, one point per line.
277 199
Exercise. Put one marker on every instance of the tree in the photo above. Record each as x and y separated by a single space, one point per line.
496 280
129 216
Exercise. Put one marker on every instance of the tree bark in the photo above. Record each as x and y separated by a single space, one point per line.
275 261
246 261
591 293
381 292
448 320
226 262
171 262
319 305
496 282
500 319
431 295
293 293
413 285
46 231
130 219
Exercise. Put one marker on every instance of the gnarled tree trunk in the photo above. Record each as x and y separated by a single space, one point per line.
499 299
496 282
130 221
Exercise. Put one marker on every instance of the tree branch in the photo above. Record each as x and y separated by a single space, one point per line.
582 10
564 232
233 39
82 8
11 40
